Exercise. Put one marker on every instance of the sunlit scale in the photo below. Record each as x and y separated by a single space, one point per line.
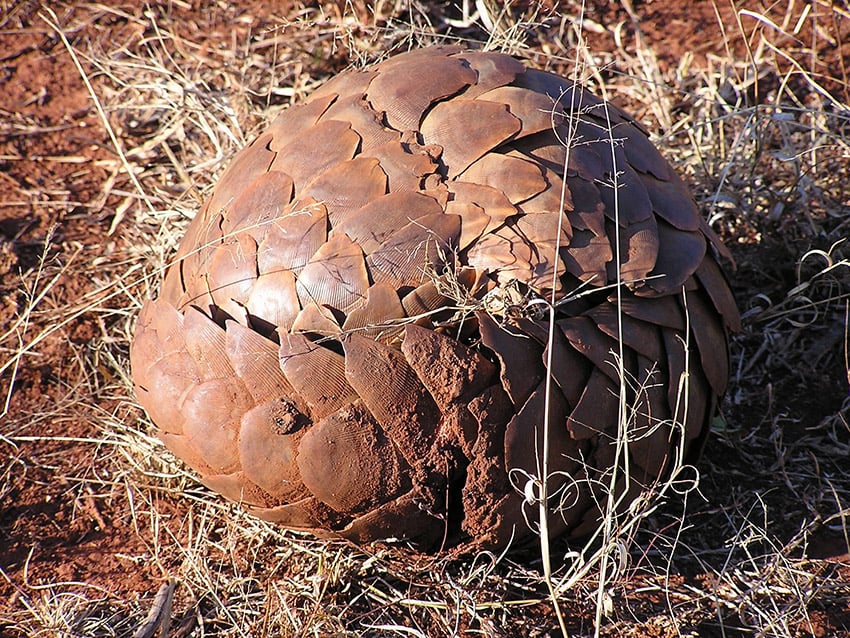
354 336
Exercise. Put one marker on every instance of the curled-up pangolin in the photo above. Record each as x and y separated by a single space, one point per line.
355 336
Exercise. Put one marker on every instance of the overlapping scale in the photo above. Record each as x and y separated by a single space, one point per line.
435 78
485 125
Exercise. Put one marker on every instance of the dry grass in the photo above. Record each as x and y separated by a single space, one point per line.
732 551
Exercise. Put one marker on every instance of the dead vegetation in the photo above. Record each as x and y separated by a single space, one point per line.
755 543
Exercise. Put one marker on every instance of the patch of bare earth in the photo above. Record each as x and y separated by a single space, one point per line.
750 101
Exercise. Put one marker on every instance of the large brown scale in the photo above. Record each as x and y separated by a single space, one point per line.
354 334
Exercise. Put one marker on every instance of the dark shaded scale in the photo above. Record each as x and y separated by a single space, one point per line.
649 432
570 97
518 357
597 411
587 256
610 494
687 391
485 125
681 254
524 447
569 369
381 218
335 275
545 148
715 241
639 246
316 150
672 201
677 347
599 130
623 193
584 160
708 334
348 186
316 373
585 151
643 156
421 248
640 336
584 335
606 116
716 286
524 434
436 78
403 518
536 329
588 211
663 312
